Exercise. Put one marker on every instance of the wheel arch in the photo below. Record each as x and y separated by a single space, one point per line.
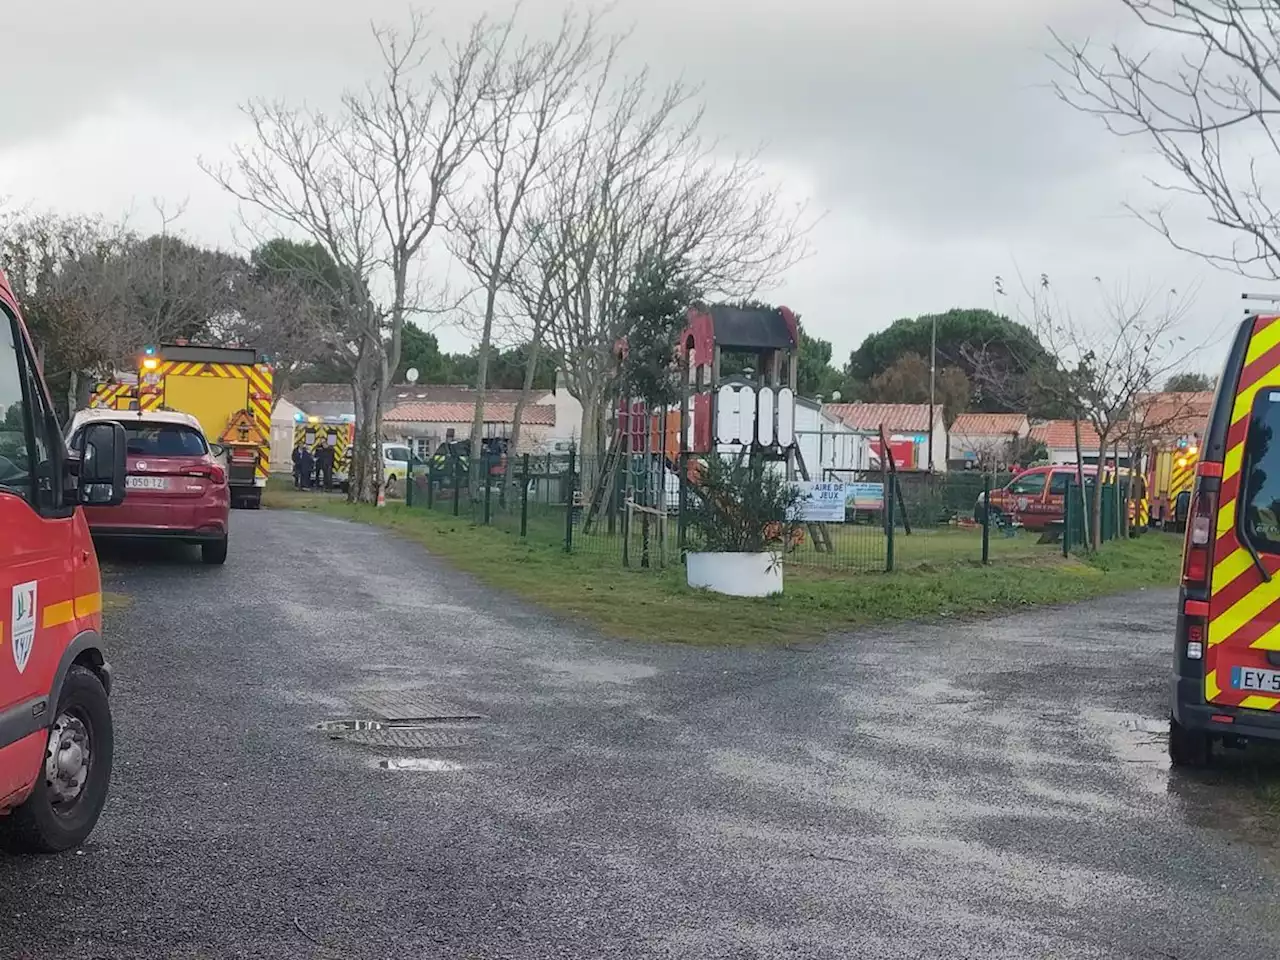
85 650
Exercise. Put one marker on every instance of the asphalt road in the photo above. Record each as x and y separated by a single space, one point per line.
961 790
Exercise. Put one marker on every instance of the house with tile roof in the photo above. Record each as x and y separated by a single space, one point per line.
985 439
425 414
903 423
1059 438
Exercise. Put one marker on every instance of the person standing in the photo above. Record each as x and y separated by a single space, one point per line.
306 468
324 467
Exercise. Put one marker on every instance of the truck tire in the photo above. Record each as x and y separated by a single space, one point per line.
391 485
1189 749
214 552
69 795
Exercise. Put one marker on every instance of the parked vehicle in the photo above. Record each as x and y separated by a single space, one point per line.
395 467
1226 676
176 489
1034 499
56 735
228 390
453 459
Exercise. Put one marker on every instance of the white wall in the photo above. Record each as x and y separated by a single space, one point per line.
282 423
568 412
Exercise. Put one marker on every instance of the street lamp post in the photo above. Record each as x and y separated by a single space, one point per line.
933 369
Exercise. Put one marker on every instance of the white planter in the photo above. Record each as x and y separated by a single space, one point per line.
736 574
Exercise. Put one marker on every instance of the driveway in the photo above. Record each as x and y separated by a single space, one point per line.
982 790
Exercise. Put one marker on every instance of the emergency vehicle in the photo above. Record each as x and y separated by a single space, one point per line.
118 393
56 734
314 433
1171 473
227 389
1226 676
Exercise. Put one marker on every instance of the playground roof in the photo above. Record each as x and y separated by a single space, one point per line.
737 329
535 414
894 417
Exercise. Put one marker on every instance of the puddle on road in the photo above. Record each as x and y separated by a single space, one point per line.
419 765
1239 793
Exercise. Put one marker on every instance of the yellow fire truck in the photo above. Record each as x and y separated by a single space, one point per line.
1171 475
119 393
228 389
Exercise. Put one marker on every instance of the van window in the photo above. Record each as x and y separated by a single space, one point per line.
1029 485
1260 521
15 452
1058 485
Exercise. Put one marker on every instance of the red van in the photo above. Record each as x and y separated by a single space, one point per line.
1226 650
55 721
1034 498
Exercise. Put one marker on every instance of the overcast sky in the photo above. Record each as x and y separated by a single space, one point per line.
923 130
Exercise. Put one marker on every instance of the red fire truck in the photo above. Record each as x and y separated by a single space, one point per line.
55 721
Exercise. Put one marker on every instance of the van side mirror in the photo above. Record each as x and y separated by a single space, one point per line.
102 465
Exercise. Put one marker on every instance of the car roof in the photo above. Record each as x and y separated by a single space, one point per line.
135 416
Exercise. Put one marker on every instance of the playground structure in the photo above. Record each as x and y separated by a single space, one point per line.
648 449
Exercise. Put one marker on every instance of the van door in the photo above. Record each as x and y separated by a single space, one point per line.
37 566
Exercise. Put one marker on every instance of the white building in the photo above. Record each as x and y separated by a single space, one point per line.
907 428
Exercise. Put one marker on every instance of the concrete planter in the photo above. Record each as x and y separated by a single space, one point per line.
736 574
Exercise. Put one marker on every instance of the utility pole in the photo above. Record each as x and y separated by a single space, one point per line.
933 369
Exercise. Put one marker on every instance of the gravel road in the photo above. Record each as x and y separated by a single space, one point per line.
984 790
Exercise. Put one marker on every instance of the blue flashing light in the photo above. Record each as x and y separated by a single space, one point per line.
149 351
298 416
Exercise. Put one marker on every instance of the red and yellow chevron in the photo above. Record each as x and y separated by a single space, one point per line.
1244 609
111 396
259 375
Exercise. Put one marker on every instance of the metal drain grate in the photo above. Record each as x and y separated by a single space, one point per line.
407 705
406 734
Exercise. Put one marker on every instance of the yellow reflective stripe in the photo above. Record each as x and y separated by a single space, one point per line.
1257 702
88 605
1262 341
1226 570
1211 689
56 614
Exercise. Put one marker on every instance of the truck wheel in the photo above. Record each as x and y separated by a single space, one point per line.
214 552
391 486
68 798
1191 749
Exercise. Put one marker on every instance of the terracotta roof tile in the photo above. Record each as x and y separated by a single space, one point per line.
1061 435
896 417
990 424
432 412
1173 414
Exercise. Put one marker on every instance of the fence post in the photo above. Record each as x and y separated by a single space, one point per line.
568 506
457 486
408 480
986 518
487 466
683 502
889 524
524 497
1066 520
431 488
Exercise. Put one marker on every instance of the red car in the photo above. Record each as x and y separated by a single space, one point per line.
1034 498
175 489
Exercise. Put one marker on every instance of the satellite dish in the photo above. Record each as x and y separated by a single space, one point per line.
411 374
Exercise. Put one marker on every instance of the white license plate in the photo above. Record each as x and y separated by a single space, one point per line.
146 483
1249 678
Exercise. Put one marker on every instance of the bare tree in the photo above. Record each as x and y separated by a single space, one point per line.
534 95
1205 96
371 185
639 182
1106 362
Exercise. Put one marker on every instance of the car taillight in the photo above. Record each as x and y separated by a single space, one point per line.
212 472
1198 551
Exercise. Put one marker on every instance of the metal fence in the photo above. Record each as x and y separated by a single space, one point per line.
633 517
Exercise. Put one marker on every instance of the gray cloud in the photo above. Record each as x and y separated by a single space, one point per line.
924 129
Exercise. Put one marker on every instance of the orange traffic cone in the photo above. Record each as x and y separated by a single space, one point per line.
382 496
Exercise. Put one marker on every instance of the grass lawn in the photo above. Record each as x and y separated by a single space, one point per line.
657 605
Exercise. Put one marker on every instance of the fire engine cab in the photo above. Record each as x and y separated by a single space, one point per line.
55 722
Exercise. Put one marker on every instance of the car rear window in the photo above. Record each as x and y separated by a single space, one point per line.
1261 474
157 440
